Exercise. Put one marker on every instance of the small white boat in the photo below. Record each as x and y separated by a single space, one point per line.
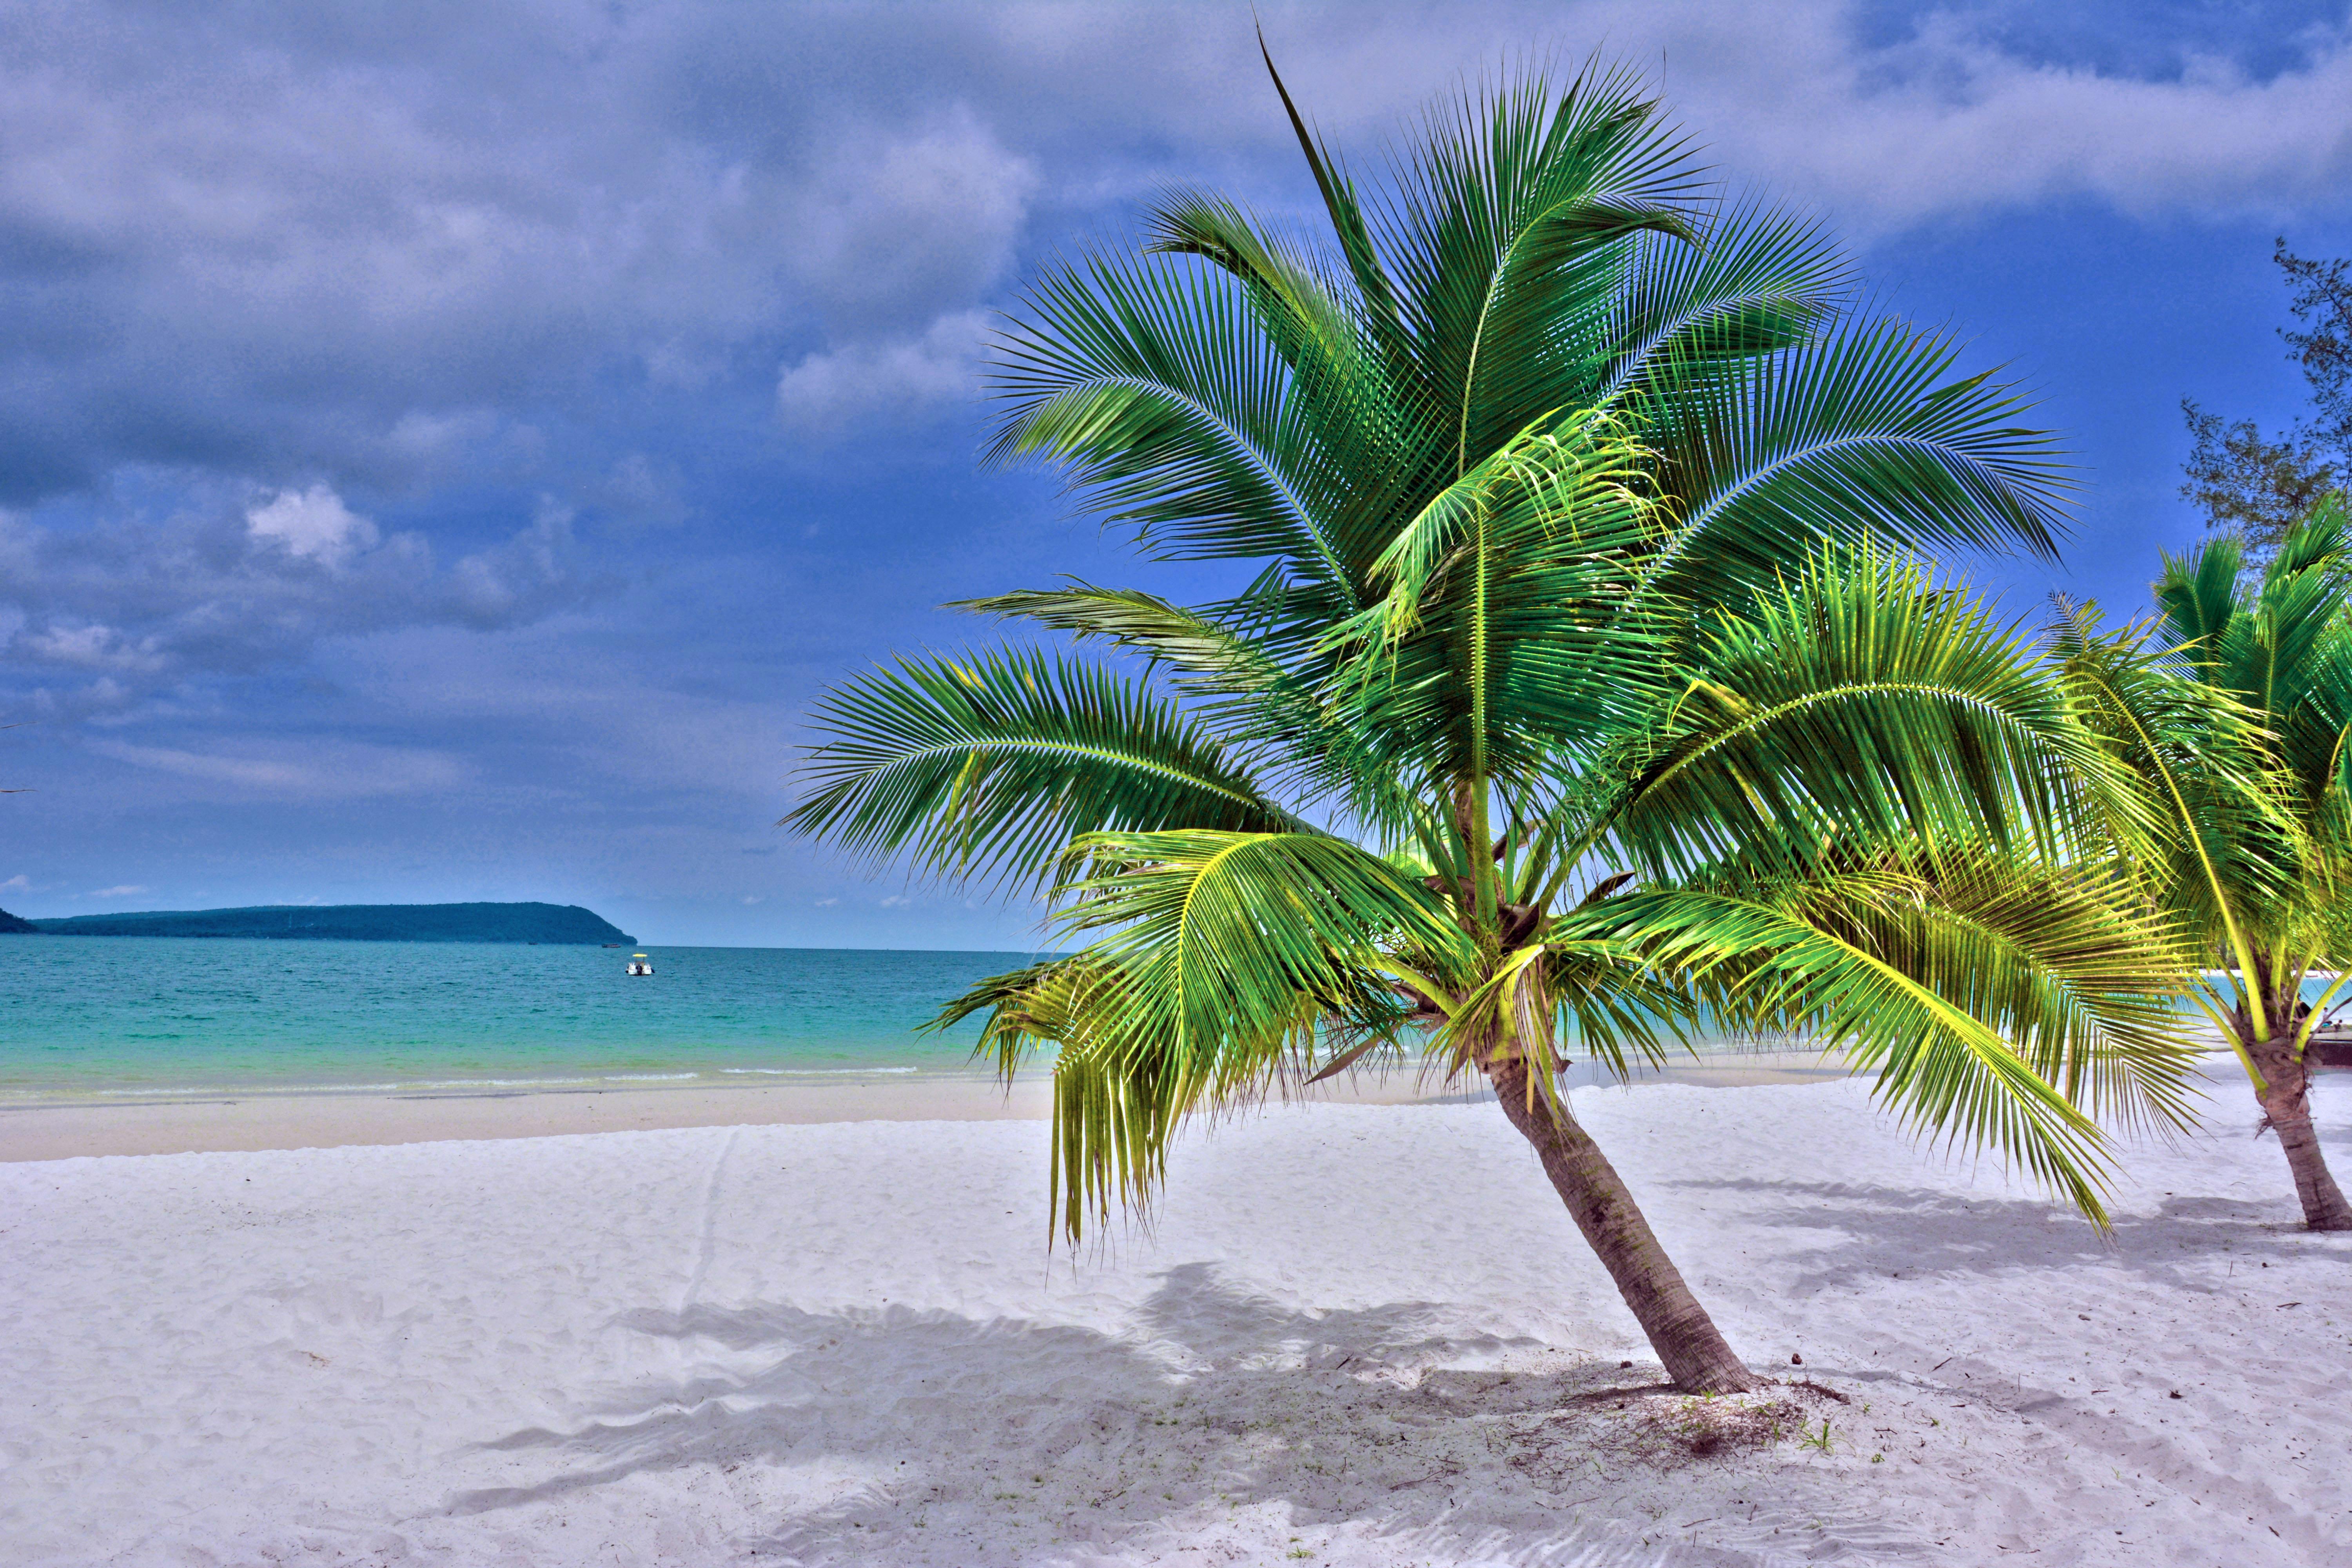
638 965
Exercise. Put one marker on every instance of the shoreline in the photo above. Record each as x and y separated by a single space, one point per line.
250 1119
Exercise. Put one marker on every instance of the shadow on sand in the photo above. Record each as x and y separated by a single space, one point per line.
926 1436
1910 1233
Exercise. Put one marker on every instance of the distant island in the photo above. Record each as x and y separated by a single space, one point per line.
348 922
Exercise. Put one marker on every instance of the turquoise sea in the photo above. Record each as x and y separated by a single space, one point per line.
131 1018
115 1018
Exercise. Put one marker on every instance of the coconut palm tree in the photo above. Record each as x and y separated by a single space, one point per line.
1581 695
2235 706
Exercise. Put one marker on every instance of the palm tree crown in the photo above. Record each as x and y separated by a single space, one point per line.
1583 692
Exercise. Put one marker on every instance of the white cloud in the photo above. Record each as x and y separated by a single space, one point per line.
639 492
893 243
625 720
313 524
90 645
825 394
126 891
896 228
127 606
1938 121
1948 122
17 883
410 233
421 441
530 574
896 901
1888 115
327 770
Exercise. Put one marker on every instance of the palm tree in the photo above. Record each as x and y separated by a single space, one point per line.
2236 708
1581 695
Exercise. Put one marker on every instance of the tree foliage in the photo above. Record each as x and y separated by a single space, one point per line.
1584 691
2236 706
2257 488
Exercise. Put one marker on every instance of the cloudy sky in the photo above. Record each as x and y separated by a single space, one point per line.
444 447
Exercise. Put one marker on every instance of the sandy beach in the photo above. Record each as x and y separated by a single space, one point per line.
1358 1334
61 1128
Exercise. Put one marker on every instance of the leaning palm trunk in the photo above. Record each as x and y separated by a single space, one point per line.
2283 1085
1584 695
1689 1346
1501 1044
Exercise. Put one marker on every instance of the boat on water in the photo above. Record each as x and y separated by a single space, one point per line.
639 964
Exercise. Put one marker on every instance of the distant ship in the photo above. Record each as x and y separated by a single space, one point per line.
638 964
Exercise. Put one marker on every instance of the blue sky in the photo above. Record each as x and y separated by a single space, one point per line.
444 449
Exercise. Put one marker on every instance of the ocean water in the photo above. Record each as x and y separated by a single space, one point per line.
116 1018
133 1017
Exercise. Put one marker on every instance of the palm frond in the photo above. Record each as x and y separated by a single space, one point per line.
990 764
1159 390
1863 432
1222 953
2069 964
1375 293
1755 282
1266 712
1503 637
2227 846
1506 229
1044 1005
1859 701
1809 965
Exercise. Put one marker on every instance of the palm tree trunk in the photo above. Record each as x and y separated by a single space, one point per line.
1686 1337
2285 1096
2323 1208
2286 1111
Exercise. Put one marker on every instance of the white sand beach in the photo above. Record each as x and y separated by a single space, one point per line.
57 1129
1358 1334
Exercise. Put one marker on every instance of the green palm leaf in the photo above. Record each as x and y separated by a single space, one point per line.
1221 956
992 764
1858 700
1508 225
1156 388
1756 281
1863 432
1869 964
